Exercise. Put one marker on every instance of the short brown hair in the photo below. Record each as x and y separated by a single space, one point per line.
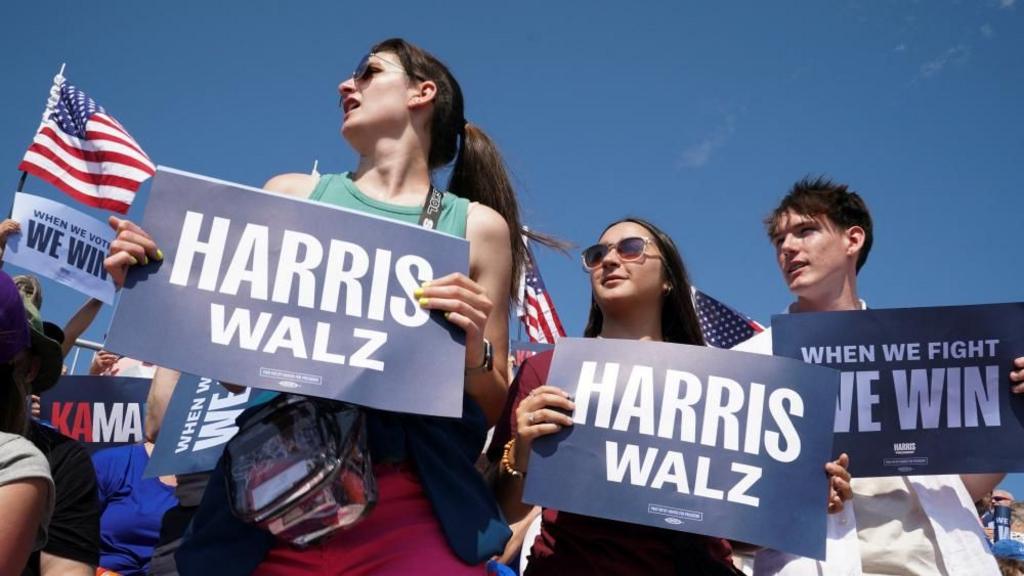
820 196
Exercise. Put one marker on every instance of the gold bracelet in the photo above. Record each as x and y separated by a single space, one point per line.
507 462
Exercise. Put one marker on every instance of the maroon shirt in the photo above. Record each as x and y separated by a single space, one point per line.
573 544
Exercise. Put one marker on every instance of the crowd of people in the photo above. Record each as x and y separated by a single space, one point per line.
430 504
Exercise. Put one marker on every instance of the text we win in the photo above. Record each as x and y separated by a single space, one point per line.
925 398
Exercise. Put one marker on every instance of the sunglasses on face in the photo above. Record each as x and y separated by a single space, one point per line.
364 71
629 249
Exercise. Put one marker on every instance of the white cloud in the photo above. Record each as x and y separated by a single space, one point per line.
957 55
700 153
900 48
1007 4
986 30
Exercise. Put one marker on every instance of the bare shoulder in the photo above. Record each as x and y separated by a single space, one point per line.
294 184
483 223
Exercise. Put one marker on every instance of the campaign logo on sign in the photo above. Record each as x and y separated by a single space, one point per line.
98 411
690 438
198 422
292 295
922 390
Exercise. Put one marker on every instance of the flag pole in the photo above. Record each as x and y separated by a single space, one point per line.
51 103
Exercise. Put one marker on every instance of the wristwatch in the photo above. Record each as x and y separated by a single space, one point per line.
488 361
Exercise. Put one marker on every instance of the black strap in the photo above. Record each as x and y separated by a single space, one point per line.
431 209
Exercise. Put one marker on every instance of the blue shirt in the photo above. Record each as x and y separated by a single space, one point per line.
132 508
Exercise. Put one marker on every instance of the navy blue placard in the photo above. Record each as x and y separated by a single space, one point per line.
923 390
198 422
292 295
690 438
98 411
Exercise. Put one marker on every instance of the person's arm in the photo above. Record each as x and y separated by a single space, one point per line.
544 410
518 539
79 323
160 391
51 565
294 185
479 305
23 504
978 485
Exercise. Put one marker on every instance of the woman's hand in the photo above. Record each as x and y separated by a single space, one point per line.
131 246
465 304
539 414
839 489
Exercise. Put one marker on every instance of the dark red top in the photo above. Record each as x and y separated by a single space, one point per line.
573 544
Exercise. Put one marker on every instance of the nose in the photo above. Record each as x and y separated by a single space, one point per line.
611 260
788 245
347 86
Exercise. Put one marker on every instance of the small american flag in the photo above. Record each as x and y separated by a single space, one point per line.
722 326
85 152
536 310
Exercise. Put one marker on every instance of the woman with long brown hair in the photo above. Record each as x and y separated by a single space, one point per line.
640 290
404 116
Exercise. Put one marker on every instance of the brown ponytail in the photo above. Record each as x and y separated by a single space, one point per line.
479 173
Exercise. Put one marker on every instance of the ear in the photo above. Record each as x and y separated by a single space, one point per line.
422 94
855 237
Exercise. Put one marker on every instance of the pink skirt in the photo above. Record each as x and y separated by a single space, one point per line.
400 536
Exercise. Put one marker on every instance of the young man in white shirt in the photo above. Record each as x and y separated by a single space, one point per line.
822 233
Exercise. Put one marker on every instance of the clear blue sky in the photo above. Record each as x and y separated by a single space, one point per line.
695 115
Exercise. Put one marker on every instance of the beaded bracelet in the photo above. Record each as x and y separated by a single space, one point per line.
506 461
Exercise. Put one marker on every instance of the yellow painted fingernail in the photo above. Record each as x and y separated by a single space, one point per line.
424 301
447 314
145 259
134 261
418 293
159 255
425 284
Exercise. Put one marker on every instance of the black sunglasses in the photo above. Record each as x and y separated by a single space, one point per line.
629 249
363 70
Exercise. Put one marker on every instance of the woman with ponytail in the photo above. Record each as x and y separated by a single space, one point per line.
404 116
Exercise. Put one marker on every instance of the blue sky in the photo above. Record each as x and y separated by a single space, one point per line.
695 115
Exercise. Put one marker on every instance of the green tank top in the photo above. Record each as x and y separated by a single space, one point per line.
340 190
